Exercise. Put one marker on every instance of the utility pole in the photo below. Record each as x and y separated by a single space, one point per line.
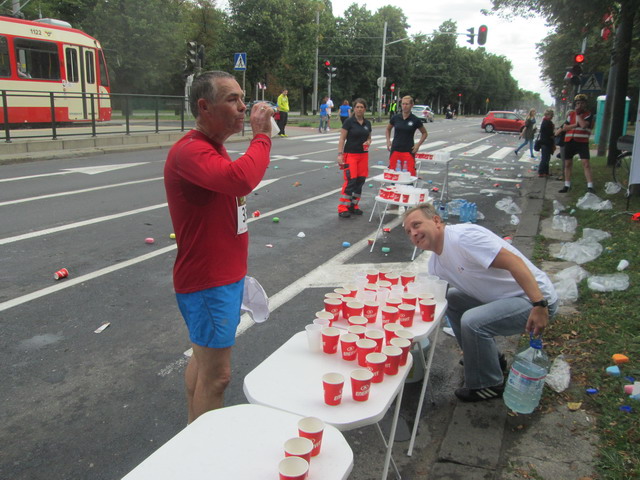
314 100
381 80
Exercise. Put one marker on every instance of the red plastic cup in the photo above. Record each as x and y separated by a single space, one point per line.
427 310
333 306
390 330
365 147
408 334
293 468
357 320
377 336
365 347
394 278
410 299
357 330
62 273
372 276
407 277
330 336
405 315
298 447
426 296
382 274
370 311
389 314
394 354
353 290
333 295
404 345
332 384
342 291
375 363
353 309
323 318
312 428
348 346
393 302
361 384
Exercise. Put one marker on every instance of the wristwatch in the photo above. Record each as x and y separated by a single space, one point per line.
540 303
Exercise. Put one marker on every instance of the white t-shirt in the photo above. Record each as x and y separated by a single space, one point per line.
329 106
465 263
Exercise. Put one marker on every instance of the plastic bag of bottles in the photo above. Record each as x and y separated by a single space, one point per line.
609 283
564 223
507 205
590 201
559 375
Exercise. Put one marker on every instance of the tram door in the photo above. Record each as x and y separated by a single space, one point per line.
74 97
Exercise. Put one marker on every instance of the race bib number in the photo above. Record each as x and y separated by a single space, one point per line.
242 214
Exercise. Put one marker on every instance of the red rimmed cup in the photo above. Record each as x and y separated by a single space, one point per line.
372 275
410 298
293 468
361 384
405 315
358 320
375 363
394 354
390 330
312 428
353 309
348 346
333 306
377 336
332 384
342 291
427 310
370 311
333 295
404 345
382 274
298 447
358 330
330 336
426 296
352 289
388 314
394 278
407 278
365 347
404 333
393 302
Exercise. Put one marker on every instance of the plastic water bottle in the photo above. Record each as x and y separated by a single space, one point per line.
526 378
404 166
473 213
442 211
464 212
398 166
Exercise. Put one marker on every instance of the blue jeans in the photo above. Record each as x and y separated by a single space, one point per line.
530 142
476 324
323 123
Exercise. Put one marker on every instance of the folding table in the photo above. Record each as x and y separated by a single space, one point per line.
290 379
439 157
241 442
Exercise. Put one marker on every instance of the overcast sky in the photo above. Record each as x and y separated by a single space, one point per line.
516 40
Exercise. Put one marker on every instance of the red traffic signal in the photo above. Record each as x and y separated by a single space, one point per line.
327 63
482 34
392 87
459 95
578 58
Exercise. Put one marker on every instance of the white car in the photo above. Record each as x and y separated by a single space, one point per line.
423 112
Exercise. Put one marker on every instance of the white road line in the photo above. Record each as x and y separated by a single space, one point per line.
86 170
433 144
306 160
324 138
477 150
29 177
451 148
501 154
76 192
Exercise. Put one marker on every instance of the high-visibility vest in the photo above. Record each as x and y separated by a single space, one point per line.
577 134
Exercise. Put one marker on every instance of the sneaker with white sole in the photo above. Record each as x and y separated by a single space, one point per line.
479 394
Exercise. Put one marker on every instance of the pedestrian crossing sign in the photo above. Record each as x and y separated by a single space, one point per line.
592 82
239 61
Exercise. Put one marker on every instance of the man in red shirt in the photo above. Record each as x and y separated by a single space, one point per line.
206 194
577 129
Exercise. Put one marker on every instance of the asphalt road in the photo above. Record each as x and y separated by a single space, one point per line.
78 404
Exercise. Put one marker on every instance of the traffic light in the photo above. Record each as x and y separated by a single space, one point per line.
471 35
576 70
327 67
191 57
482 34
578 58
392 87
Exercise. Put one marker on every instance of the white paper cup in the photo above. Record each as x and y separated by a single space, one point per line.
314 337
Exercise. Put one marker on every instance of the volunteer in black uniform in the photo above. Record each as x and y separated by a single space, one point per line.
403 149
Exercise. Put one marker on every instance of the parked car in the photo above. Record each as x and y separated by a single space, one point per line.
502 121
253 102
423 112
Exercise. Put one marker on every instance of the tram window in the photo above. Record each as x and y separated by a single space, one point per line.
71 57
104 78
5 67
39 59
90 66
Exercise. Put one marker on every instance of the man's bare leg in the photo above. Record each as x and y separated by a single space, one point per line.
206 378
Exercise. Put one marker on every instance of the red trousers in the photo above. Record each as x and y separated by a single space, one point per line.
403 157
355 170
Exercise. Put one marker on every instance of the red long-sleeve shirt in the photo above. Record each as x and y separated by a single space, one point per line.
204 189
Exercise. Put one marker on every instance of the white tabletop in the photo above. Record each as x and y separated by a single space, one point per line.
241 442
400 203
419 328
380 178
291 379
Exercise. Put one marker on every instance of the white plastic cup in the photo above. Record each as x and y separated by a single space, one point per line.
314 337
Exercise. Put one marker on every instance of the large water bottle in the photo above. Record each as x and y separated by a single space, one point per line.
464 212
473 213
526 378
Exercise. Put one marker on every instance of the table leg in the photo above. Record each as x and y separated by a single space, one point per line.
375 238
425 380
394 423
373 210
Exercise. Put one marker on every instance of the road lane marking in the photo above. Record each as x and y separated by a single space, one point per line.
475 151
501 154
86 170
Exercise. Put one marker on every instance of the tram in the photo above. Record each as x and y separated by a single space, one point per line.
50 71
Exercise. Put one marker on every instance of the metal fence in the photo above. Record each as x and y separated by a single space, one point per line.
131 113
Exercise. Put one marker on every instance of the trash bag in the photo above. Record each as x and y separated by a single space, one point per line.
515 220
558 207
575 273
590 201
594 234
608 283
567 290
559 375
564 223
582 251
611 188
507 205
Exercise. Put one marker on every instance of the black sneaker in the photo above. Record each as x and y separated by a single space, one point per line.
564 189
344 214
355 211
591 190
479 394
501 358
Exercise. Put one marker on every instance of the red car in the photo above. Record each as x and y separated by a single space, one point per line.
502 121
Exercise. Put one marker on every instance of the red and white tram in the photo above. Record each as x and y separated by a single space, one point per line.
48 56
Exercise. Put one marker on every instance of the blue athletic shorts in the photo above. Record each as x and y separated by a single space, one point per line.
212 316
